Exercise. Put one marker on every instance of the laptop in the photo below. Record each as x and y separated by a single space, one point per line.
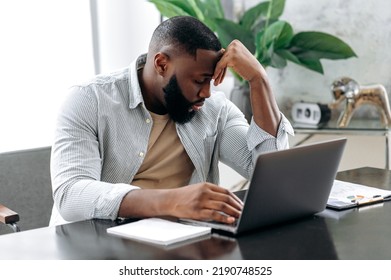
286 185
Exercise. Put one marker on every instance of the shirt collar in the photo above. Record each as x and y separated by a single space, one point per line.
135 95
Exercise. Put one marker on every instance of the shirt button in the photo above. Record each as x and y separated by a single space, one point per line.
147 120
141 154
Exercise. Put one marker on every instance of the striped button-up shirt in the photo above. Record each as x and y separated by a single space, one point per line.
102 135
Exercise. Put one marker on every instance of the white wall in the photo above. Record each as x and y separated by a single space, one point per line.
45 47
125 28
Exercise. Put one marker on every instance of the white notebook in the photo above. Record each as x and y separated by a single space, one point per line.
159 231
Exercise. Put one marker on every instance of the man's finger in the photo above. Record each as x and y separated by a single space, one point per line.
227 198
218 74
217 216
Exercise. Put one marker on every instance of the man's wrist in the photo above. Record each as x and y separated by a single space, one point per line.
143 203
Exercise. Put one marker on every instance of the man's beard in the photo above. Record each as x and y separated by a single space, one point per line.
178 107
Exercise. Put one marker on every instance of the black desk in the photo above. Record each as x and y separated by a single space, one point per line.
363 233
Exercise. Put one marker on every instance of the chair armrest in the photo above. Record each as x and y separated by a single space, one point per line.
7 216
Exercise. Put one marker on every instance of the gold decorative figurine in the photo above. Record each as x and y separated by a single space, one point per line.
354 95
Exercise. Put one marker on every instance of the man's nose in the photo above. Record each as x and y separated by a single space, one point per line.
205 91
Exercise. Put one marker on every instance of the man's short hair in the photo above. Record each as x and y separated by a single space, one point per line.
186 34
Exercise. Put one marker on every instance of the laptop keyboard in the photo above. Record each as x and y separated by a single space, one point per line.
224 224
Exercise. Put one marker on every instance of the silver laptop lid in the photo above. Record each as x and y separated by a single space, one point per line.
290 184
287 185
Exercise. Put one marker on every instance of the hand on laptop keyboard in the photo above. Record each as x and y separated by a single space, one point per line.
206 201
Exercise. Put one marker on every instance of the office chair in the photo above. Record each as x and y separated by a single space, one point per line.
25 189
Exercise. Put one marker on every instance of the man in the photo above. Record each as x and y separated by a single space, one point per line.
146 141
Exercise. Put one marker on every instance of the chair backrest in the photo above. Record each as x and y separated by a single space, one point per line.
25 187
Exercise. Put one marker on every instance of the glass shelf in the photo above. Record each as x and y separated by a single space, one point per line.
356 126
371 127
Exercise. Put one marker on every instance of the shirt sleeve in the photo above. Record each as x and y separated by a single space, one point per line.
76 163
241 143
261 141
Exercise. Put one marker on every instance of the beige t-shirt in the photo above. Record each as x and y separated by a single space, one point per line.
166 163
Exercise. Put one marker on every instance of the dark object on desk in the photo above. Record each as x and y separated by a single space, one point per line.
25 187
310 114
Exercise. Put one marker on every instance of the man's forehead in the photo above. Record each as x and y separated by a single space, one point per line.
211 55
205 61
202 63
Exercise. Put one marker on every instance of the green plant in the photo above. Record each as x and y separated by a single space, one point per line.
272 41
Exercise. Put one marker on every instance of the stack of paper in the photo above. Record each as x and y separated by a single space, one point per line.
345 195
159 231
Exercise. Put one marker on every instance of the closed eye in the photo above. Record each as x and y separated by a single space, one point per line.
203 81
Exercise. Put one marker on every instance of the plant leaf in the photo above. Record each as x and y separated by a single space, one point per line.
194 4
288 55
276 36
317 45
277 61
255 14
277 8
272 41
170 8
272 58
267 11
314 65
228 30
260 50
280 33
211 8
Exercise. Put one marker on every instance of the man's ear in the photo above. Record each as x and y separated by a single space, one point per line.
161 63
